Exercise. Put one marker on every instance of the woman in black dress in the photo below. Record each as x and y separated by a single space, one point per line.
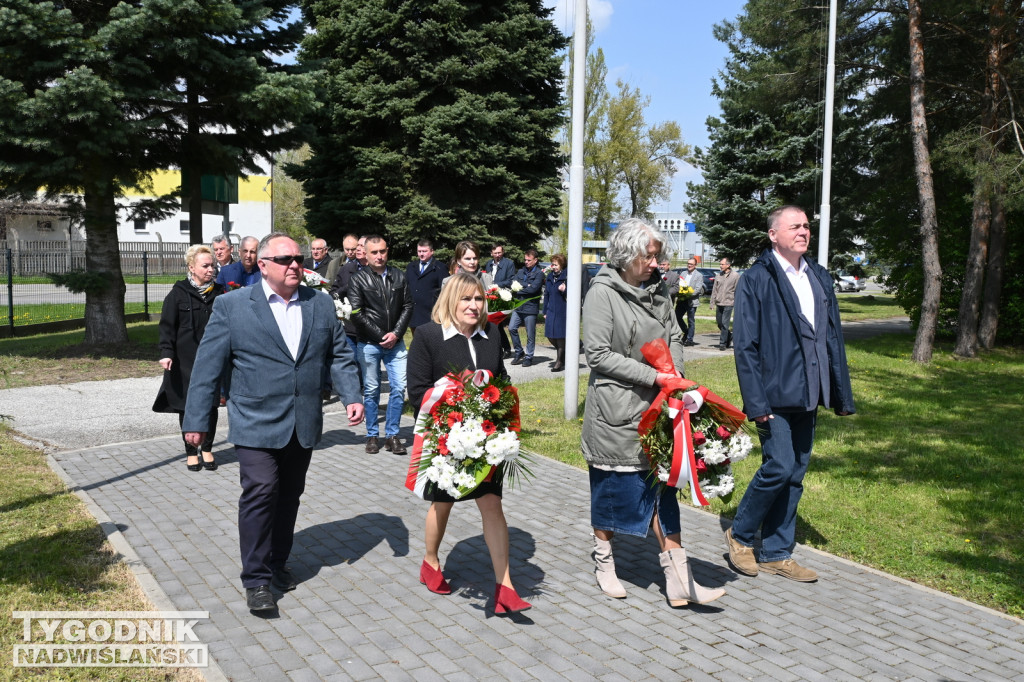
183 319
460 337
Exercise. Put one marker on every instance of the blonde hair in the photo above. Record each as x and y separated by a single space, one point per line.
457 286
195 250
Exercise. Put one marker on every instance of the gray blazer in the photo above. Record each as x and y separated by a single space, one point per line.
272 395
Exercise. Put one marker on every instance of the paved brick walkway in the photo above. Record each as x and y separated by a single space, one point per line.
360 612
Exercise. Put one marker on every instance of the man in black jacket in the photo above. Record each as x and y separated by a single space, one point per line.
790 359
380 293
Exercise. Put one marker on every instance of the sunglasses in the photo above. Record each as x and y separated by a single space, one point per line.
285 260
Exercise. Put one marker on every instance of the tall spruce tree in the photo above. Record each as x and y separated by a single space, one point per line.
439 120
765 149
94 98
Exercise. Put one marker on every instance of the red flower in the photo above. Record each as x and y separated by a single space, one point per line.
723 433
698 438
491 394
454 396
701 466
234 285
454 418
488 427
442 445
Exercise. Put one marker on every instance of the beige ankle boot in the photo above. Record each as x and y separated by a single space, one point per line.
677 571
605 569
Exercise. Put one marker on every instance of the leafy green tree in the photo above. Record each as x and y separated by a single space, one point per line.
289 197
439 120
643 157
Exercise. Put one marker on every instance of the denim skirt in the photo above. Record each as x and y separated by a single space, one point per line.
625 502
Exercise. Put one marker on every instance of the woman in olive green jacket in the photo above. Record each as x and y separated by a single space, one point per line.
627 306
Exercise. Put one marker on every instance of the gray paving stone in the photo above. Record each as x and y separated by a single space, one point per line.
359 612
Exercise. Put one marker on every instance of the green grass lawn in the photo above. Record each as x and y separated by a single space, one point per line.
54 557
37 313
923 482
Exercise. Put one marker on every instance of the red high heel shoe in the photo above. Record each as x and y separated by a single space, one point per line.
434 579
507 601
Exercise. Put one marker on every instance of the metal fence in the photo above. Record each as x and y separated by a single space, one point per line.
31 304
32 258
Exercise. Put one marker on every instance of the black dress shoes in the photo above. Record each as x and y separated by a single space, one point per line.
518 360
283 579
394 445
259 598
372 446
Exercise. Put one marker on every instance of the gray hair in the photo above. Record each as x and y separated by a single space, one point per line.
217 239
773 217
629 241
265 242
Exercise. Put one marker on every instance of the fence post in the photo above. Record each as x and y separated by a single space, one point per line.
10 290
145 284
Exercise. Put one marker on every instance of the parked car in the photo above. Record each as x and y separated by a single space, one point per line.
843 281
709 279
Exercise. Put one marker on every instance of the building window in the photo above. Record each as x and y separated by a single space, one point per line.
140 225
183 226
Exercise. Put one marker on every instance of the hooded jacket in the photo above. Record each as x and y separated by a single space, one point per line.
618 319
770 362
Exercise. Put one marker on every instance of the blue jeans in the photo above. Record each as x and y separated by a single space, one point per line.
773 495
517 321
723 316
371 355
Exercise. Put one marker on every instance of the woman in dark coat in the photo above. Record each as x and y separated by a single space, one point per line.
460 337
554 309
186 311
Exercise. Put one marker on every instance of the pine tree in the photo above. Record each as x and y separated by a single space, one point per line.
439 120
96 96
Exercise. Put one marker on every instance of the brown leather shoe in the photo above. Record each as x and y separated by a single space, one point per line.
789 568
394 445
740 556
372 447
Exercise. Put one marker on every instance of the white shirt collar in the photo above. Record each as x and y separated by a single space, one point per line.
787 266
271 294
448 331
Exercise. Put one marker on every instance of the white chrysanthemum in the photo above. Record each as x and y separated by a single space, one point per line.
505 294
713 451
463 479
502 446
342 309
465 440
740 446
517 286
662 474
722 487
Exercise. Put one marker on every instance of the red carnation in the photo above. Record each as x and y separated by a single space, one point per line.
442 445
454 396
723 433
488 427
701 466
454 418
698 438
491 394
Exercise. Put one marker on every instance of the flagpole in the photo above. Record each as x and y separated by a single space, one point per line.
575 226
825 219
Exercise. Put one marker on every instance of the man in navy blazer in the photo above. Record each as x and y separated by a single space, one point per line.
424 275
502 271
272 341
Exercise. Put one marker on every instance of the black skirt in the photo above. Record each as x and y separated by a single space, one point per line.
433 493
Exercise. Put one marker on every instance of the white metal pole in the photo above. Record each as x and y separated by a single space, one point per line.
575 250
826 176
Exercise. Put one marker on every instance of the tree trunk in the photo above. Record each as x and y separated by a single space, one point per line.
925 340
989 324
195 173
104 310
981 219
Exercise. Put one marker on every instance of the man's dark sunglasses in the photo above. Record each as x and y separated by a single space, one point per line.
285 260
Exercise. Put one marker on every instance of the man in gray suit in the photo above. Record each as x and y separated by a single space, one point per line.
272 341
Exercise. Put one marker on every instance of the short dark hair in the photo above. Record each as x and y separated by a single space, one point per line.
427 243
774 215
531 252
375 238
